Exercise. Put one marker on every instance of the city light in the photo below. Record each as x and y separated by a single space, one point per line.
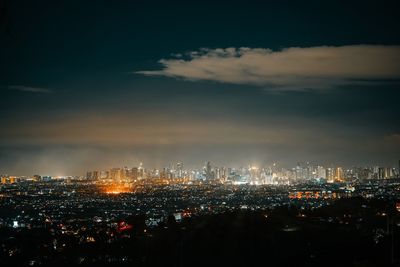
115 189
199 133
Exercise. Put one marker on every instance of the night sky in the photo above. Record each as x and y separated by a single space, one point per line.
98 84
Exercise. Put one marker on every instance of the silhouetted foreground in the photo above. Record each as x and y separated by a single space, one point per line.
352 232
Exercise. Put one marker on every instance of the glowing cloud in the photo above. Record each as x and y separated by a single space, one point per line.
289 68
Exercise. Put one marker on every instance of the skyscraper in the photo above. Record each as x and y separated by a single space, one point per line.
95 175
179 169
89 175
330 175
209 174
339 175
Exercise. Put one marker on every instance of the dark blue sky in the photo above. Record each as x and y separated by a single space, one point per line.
72 100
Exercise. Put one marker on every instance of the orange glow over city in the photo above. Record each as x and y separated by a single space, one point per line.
116 189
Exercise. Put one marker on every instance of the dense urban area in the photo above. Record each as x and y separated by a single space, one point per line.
307 215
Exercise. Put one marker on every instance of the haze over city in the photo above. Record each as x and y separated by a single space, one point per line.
88 86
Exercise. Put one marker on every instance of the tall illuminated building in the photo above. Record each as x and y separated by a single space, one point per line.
218 173
300 171
330 175
208 170
339 175
134 173
95 175
382 173
179 169
115 174
140 171
321 172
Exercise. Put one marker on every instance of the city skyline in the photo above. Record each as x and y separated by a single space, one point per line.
199 133
274 172
231 84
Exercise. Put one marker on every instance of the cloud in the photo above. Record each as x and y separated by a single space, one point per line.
290 68
23 88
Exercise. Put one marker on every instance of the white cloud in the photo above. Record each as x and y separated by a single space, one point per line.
290 68
29 89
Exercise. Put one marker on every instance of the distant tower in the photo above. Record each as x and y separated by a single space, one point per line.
208 170
330 175
381 173
339 174
179 169
217 173
141 171
89 175
95 175
134 173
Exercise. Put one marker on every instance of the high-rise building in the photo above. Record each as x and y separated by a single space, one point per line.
383 173
330 175
89 175
224 173
115 174
104 175
208 170
140 171
179 169
218 173
134 173
339 175
95 175
398 170
301 171
321 172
